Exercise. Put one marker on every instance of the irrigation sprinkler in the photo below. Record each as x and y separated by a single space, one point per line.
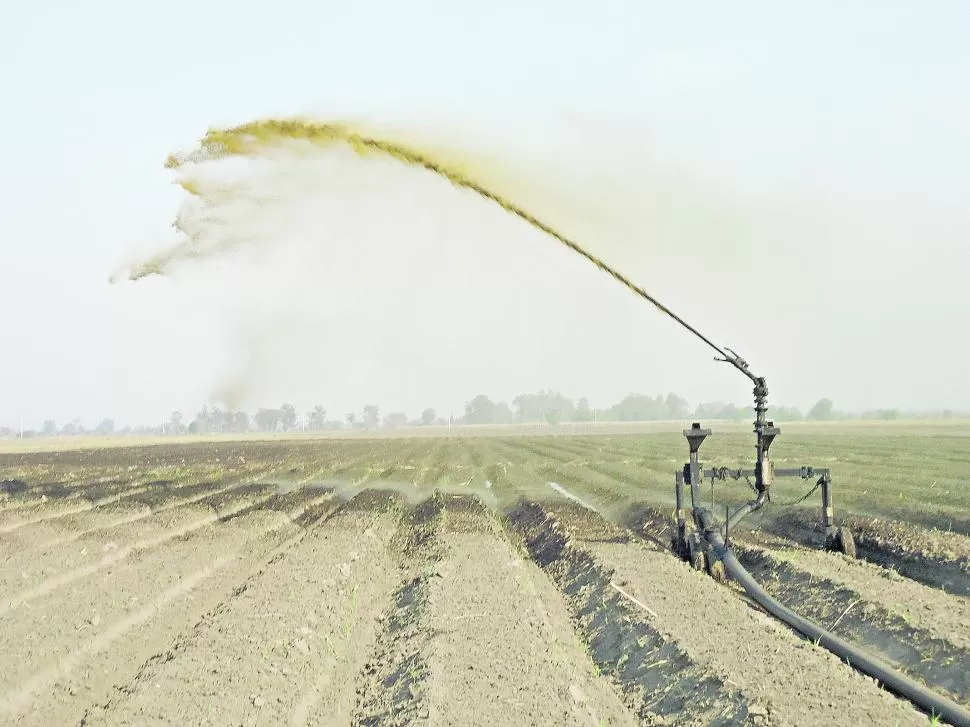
698 547
708 549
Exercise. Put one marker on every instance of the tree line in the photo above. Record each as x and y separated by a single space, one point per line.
545 407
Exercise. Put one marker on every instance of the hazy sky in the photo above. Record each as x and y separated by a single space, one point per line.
793 181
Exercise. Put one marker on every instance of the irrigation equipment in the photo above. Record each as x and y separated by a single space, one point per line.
697 547
707 547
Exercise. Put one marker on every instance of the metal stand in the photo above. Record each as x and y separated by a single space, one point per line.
704 547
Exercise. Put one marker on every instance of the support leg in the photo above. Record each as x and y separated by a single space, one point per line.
828 514
840 538
680 539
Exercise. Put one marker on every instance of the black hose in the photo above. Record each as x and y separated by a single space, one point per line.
936 704
746 509
919 695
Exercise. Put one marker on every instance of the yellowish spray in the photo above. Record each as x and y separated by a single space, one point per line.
259 138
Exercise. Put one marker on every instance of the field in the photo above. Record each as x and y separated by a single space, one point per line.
475 577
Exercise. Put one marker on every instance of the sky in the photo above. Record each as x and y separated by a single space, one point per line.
791 180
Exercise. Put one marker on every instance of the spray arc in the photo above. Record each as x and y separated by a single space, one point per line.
701 541
707 547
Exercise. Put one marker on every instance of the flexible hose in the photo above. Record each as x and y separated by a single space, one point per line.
936 704
915 692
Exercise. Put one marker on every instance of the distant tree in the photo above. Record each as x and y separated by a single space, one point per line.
676 407
73 427
352 419
218 420
50 428
395 420
175 422
822 411
786 414
503 413
480 410
202 423
583 413
720 410
427 417
547 405
107 426
371 416
708 410
638 408
735 413
288 417
268 420
237 422
317 418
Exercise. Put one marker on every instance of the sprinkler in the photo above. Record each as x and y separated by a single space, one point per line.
708 549
701 548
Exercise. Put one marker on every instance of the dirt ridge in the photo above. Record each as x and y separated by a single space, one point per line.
624 645
391 687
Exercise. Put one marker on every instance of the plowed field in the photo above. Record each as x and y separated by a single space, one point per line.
457 581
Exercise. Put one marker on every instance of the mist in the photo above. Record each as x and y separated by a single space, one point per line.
363 280
790 181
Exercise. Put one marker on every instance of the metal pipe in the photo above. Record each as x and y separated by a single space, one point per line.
681 520
746 509
827 511
695 501
932 702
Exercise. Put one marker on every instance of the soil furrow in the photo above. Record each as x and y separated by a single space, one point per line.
942 615
52 509
935 558
224 507
777 676
284 647
205 582
64 665
935 661
68 528
660 683
392 686
501 648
